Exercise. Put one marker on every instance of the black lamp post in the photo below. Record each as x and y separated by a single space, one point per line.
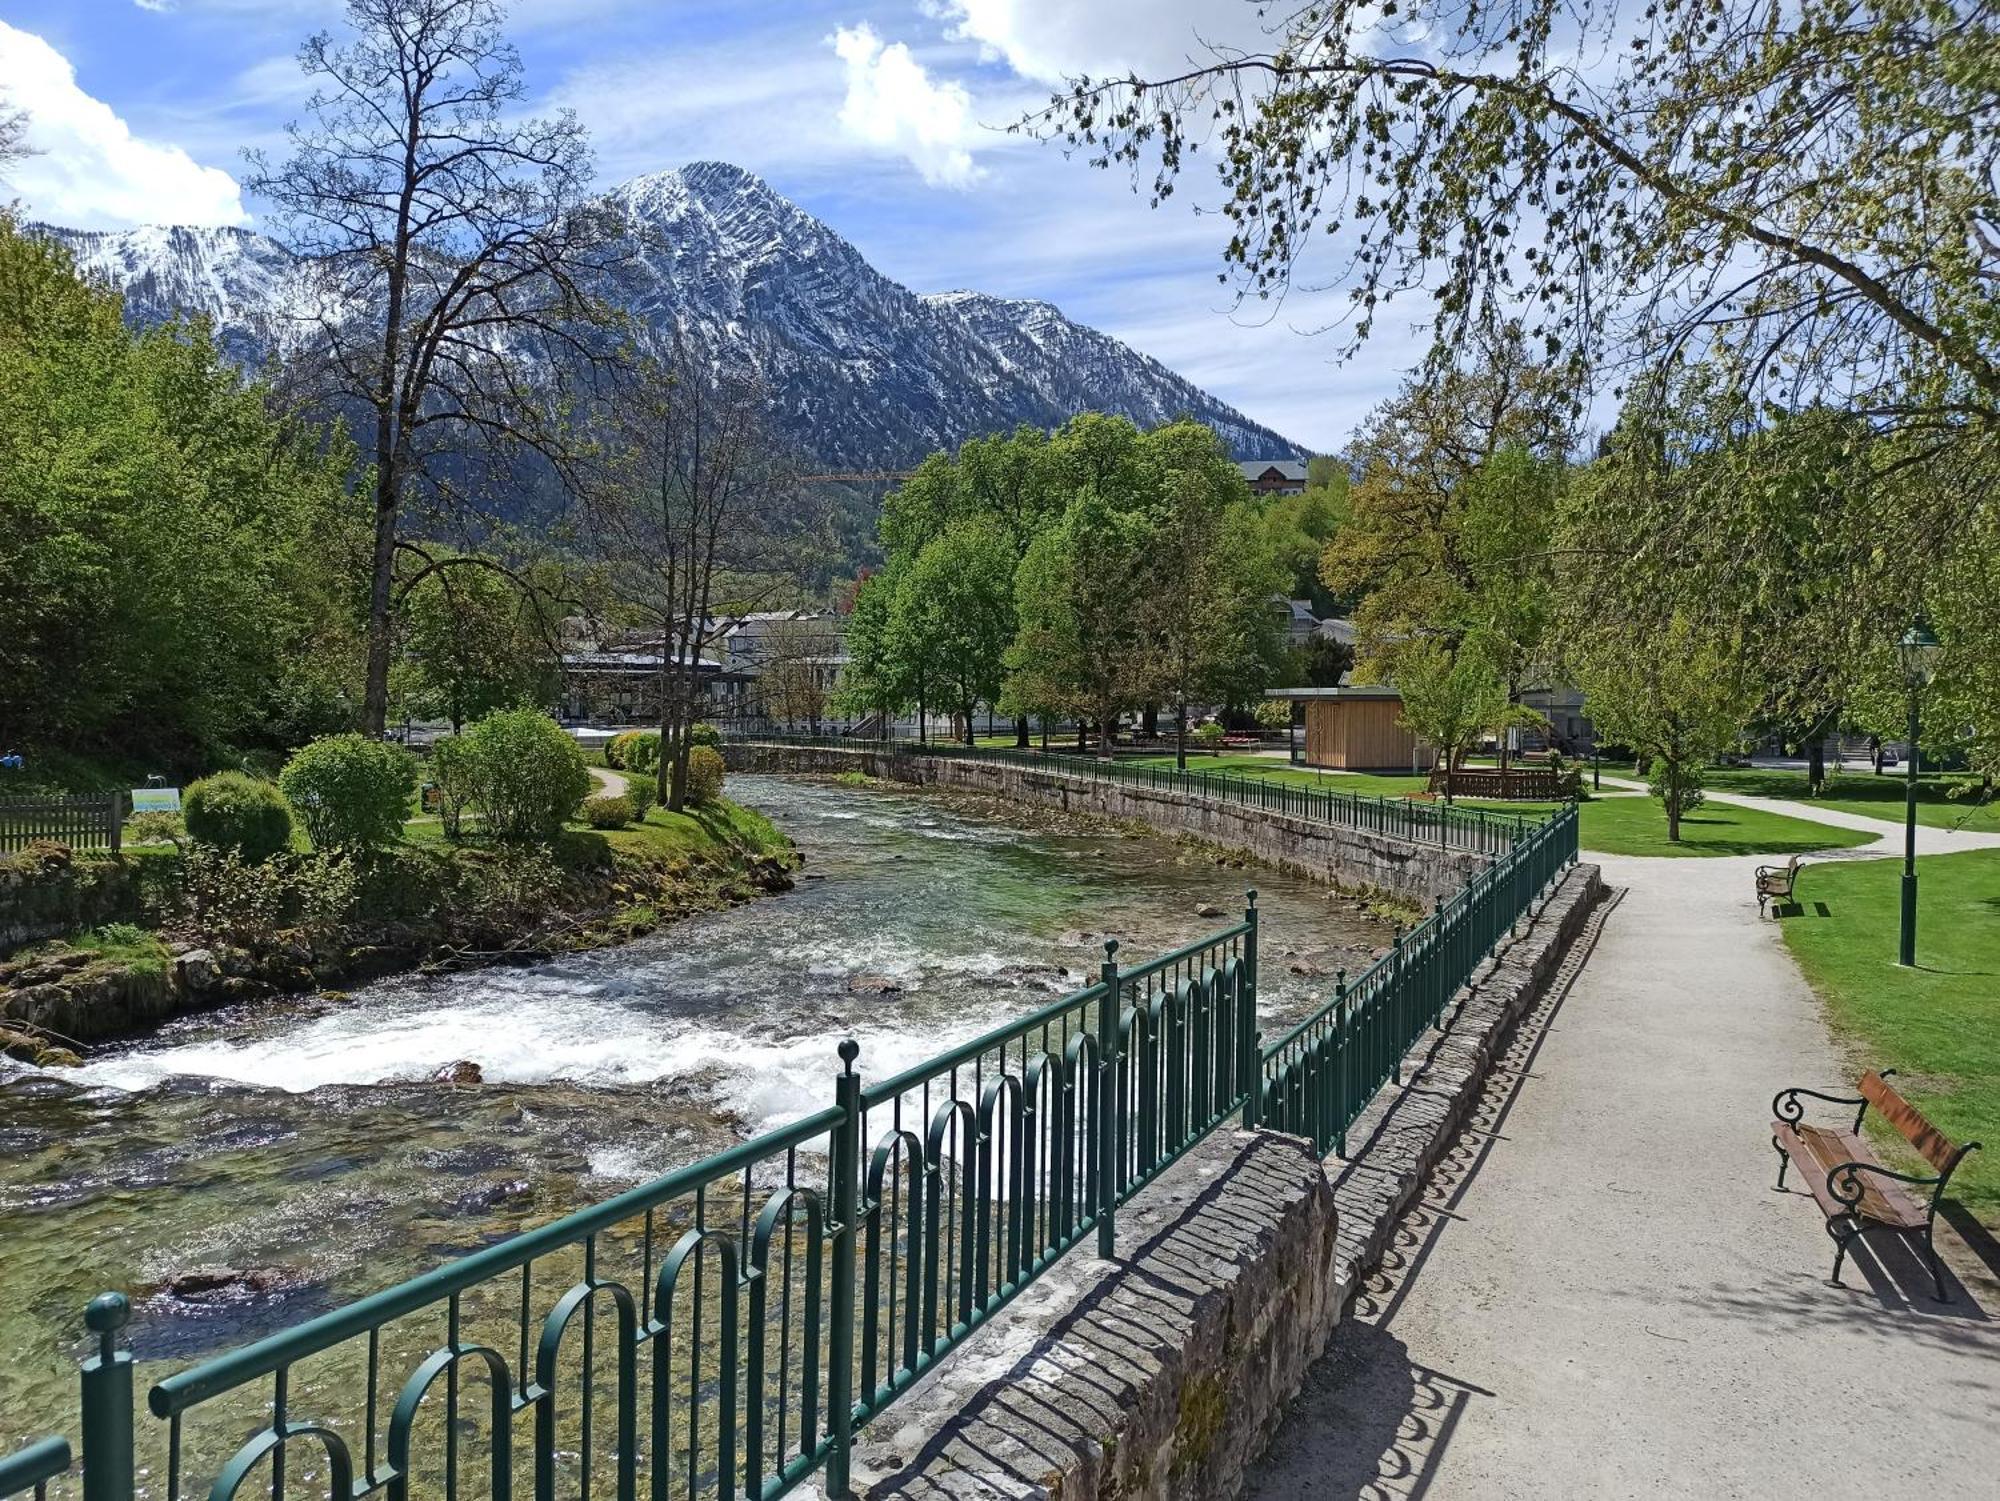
1918 654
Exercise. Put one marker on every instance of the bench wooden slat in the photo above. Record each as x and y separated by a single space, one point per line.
1936 1147
1818 1150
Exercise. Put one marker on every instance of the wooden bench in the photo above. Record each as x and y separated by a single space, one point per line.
1775 883
1854 1190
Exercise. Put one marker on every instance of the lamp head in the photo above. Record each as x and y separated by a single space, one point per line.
1918 652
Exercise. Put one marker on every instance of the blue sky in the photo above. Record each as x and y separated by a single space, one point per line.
880 116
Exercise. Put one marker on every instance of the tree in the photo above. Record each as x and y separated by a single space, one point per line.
179 564
953 614
794 673
1450 699
690 488
1724 178
1205 606
13 135
875 680
1677 697
474 639
452 245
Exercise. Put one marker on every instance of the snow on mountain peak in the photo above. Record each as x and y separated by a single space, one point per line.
863 373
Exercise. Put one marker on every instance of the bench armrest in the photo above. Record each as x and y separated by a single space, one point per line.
1788 1108
1844 1183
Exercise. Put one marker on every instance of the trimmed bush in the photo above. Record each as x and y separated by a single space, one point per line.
351 792
231 811
618 749
1207 734
705 770
608 812
528 776
454 770
641 794
645 752
704 734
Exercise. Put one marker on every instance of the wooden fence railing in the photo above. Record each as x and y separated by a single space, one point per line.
83 821
1515 784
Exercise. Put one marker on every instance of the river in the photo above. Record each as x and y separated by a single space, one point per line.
301 1143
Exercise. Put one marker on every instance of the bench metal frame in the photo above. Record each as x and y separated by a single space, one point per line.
1844 1183
1777 883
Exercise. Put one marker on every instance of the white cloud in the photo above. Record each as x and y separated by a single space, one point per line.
158 7
1053 40
893 104
90 170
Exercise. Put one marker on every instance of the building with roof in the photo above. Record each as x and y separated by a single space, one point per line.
1355 727
1274 476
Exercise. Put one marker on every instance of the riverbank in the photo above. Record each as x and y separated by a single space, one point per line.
133 946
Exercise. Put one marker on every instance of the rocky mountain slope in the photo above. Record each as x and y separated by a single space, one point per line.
864 373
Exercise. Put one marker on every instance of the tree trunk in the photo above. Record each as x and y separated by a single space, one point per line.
1875 752
1673 808
968 722
1180 736
1082 734
1149 722
1020 732
1816 768
375 696
1107 721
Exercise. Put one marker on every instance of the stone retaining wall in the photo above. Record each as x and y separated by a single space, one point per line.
1325 852
1161 1376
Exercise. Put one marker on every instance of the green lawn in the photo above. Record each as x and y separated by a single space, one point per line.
1611 825
1938 1024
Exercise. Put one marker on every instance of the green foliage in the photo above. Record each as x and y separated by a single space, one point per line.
704 734
226 899
156 828
1677 697
527 775
454 772
1208 734
608 812
618 749
1677 785
953 615
1273 713
352 793
644 754
642 794
1450 699
232 812
472 638
704 775
178 562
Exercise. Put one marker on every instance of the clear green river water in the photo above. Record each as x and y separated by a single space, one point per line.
302 1140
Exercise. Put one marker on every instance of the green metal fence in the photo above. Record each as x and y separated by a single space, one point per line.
719 1332
1320 1075
723 1331
1478 830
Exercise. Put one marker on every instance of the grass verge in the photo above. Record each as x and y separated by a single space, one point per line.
1937 1024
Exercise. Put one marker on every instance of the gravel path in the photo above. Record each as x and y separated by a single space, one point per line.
1603 1295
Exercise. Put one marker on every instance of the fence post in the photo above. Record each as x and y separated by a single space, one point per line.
840 1338
1399 1006
107 1403
1105 1108
114 834
1250 1064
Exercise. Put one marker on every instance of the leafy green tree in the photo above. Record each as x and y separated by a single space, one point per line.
179 562
875 679
1450 698
1081 646
1206 605
474 638
953 615
1677 696
1806 190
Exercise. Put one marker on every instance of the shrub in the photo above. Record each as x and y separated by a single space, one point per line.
704 734
641 794
155 828
645 752
351 792
705 769
454 770
231 811
527 775
608 812
1207 734
229 901
1663 783
618 750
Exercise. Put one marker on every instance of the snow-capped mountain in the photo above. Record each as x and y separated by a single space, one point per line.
864 373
